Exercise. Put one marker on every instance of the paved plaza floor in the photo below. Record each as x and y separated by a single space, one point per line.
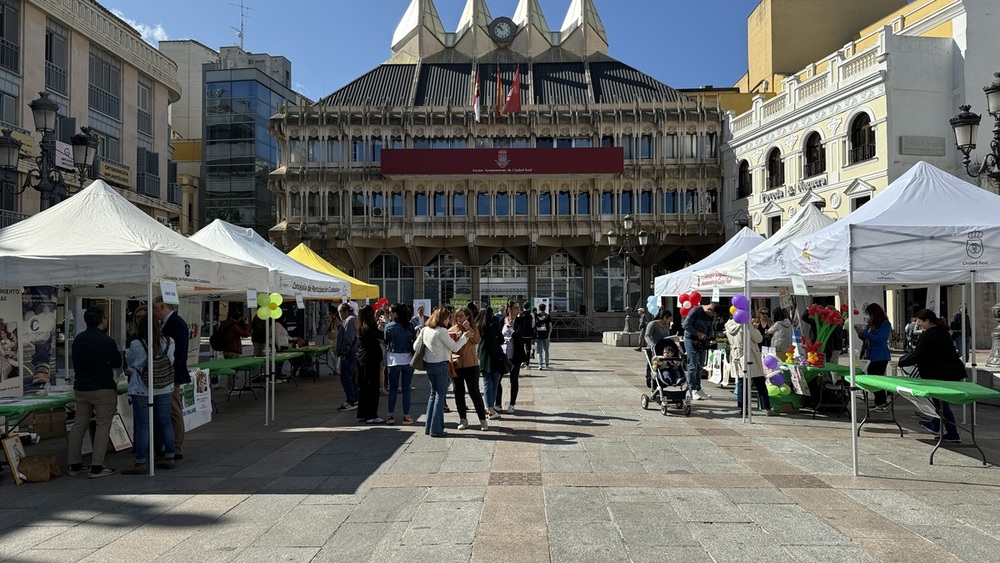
579 473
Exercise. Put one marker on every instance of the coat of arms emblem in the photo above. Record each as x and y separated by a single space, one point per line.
974 246
502 160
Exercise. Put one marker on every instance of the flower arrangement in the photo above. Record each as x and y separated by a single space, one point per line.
826 320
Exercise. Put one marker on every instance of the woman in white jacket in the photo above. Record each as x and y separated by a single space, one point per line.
438 348
781 332
753 368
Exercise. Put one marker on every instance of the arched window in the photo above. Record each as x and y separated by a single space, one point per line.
815 156
744 183
775 169
862 139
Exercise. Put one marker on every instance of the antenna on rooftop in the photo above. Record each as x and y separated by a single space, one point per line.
243 14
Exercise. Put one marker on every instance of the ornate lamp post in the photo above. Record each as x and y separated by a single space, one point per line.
634 242
45 177
966 127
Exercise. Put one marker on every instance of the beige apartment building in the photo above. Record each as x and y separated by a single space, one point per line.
104 76
834 128
394 177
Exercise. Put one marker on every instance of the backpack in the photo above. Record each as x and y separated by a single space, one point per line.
218 340
161 367
542 326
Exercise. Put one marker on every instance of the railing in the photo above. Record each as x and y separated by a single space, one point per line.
775 181
815 167
10 54
859 63
861 154
105 102
55 78
145 121
743 191
147 184
174 193
8 218
813 87
774 105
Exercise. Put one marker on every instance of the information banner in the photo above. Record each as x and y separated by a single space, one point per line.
38 336
10 351
196 400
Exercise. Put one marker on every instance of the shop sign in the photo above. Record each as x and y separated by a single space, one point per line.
921 146
772 195
506 161
118 174
811 184
64 156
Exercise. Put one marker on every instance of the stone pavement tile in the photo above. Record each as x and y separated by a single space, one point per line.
320 498
16 538
455 494
757 496
144 543
53 555
92 536
510 549
363 541
830 554
466 466
772 467
610 466
911 550
420 480
429 462
263 507
388 505
564 461
256 554
286 484
652 533
437 523
526 462
966 542
703 505
791 524
902 508
304 526
669 552
575 504
616 495
431 553
585 541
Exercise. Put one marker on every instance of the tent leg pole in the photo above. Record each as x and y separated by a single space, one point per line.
853 372
267 355
151 454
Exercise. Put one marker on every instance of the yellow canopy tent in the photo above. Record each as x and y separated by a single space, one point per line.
359 289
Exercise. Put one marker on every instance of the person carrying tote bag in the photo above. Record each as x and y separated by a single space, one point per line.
151 364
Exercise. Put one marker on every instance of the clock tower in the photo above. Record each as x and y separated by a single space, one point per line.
502 30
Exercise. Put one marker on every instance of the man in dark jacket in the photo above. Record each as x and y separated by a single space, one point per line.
524 324
175 327
347 346
699 332
95 356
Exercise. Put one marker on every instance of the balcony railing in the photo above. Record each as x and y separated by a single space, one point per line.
147 184
145 122
743 191
105 102
10 54
815 168
174 194
861 154
8 218
775 181
55 78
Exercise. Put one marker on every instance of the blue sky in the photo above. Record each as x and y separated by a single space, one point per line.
330 42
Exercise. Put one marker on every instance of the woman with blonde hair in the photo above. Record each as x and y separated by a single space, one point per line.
438 347
466 364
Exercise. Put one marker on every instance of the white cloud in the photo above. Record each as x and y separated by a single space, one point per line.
151 34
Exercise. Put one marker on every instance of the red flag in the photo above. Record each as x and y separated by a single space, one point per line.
475 96
513 103
500 96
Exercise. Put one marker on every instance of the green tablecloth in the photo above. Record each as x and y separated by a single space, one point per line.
313 351
14 408
955 392
232 364
811 373
285 356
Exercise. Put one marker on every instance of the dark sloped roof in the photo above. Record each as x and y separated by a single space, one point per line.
384 85
555 83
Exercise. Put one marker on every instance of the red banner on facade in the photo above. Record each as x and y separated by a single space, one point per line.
498 162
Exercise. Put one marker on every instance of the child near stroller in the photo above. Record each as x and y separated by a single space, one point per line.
668 382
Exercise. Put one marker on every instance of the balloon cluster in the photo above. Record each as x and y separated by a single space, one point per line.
269 306
740 309
382 302
653 305
778 390
688 301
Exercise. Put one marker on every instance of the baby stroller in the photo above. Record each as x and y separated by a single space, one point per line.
668 381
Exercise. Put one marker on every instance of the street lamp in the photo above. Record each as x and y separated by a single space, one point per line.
323 227
46 177
966 127
633 243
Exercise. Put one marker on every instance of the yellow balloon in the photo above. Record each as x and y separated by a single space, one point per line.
276 314
272 305
732 309
276 298
263 313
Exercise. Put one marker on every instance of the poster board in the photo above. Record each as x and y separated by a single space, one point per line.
10 349
799 384
425 303
14 452
196 400
121 438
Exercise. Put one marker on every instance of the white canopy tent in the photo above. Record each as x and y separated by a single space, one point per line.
676 283
927 227
731 276
104 245
287 275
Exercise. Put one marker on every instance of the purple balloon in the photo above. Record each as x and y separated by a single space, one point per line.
741 316
777 379
740 301
771 362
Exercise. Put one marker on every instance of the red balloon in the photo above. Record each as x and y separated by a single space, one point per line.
683 297
695 298
685 311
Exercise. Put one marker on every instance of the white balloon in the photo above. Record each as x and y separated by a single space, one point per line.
686 305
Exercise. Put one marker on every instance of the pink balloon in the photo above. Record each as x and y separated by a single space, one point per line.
741 316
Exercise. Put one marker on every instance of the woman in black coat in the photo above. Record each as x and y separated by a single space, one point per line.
936 358
369 356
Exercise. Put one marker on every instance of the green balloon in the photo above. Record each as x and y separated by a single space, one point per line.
773 390
276 298
785 389
276 314
263 313
263 299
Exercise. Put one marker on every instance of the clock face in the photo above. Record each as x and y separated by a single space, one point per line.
502 30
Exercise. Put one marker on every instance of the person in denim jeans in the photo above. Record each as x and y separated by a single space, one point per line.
347 346
438 348
139 367
543 334
399 337
699 331
491 359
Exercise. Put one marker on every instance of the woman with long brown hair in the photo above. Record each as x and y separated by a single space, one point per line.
875 335
514 348
438 347
466 365
150 366
369 365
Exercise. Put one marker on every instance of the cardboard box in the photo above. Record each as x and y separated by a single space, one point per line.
50 424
